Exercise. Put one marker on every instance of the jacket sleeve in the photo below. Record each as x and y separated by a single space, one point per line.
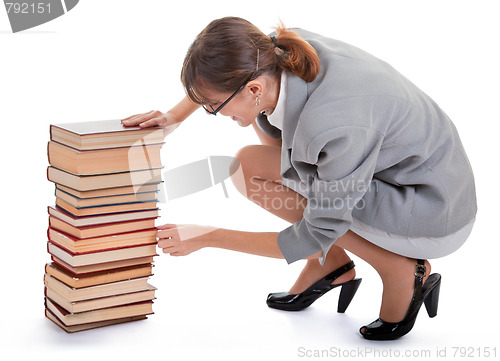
344 160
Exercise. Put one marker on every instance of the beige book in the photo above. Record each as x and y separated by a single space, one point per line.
90 326
101 267
114 208
78 260
103 134
101 201
103 161
102 181
102 302
100 230
102 243
71 294
100 219
75 280
146 188
105 314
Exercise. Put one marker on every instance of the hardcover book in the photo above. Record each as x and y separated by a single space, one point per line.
103 134
100 229
94 258
101 243
106 314
75 280
102 267
83 221
90 326
78 202
102 302
103 181
106 209
117 191
103 161
87 293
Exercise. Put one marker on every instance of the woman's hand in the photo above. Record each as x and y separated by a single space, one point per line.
183 239
151 119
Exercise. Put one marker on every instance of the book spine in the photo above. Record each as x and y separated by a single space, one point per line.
48 152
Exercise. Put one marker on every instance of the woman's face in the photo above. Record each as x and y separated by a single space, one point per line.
242 109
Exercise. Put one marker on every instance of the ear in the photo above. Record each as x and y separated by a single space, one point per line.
255 87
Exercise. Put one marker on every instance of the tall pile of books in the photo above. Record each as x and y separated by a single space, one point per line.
101 235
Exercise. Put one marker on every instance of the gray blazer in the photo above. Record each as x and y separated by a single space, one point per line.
362 141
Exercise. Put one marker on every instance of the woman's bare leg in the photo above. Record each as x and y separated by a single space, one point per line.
258 178
396 272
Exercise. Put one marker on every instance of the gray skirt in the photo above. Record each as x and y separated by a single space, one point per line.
413 247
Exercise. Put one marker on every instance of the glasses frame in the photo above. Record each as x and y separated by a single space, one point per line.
214 112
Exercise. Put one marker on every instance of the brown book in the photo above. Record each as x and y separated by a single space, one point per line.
90 326
101 230
102 181
86 259
75 280
84 221
101 267
108 192
101 243
102 302
103 134
111 160
87 293
104 201
114 208
105 314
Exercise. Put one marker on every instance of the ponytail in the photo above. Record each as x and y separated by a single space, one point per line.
296 55
231 50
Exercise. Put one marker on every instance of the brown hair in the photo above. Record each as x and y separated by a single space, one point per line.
231 50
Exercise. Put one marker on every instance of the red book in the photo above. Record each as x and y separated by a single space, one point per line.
102 243
102 267
94 258
106 314
103 134
101 230
82 221
99 277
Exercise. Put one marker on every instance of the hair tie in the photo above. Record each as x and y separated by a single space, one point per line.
275 41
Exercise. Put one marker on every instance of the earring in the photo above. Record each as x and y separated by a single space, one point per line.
257 100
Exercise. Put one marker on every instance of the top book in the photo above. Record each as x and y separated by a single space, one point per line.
103 134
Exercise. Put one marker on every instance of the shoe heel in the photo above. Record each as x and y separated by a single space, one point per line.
347 293
431 301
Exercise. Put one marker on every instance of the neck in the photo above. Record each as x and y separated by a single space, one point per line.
270 98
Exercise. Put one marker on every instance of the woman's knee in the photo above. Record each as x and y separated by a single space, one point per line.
245 159
240 167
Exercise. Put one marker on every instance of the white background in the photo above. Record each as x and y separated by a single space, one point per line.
110 59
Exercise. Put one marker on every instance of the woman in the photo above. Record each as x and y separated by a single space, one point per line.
355 155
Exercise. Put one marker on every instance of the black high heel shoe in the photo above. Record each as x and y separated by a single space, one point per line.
289 302
427 293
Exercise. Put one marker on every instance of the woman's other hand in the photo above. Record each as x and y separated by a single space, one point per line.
183 239
145 120
151 119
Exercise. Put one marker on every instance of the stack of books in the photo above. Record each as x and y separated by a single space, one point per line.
101 235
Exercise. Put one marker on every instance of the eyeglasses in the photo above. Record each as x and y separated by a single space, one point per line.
215 111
